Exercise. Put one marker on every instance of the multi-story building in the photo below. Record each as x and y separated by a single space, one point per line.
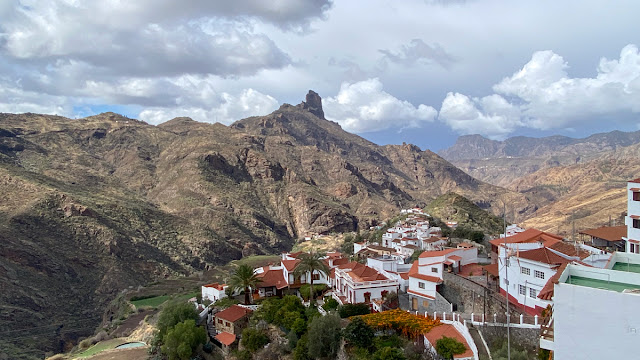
632 220
426 273
357 283
595 311
527 260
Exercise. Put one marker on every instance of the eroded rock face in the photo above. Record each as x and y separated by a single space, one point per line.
313 103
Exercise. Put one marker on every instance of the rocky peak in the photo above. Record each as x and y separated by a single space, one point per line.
313 103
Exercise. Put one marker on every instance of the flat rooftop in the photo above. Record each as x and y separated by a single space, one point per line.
600 284
622 266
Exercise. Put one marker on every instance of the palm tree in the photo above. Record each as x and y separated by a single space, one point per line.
244 279
310 263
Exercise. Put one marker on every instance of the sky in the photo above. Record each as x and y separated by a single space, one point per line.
415 71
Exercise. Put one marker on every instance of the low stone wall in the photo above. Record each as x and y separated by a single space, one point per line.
470 296
525 338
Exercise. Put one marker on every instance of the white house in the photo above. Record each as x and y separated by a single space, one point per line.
525 270
214 292
632 220
357 283
595 313
426 273
392 269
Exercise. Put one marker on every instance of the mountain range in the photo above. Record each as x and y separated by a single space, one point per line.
92 206
575 182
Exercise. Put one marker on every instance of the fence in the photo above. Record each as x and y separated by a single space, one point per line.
522 321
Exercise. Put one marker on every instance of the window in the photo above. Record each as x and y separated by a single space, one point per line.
538 274
525 271
316 276
533 293
219 321
636 196
636 223
434 270
425 303
522 289
506 282
228 323
421 285
632 248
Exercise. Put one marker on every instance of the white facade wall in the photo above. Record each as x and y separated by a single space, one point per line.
429 287
469 256
213 294
529 281
633 209
593 323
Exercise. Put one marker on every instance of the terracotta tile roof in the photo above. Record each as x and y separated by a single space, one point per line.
404 275
296 254
365 273
290 264
449 331
271 278
215 286
570 250
226 338
543 255
547 291
334 255
433 239
529 236
465 245
410 247
340 261
609 233
414 273
635 180
427 254
455 258
233 313
492 269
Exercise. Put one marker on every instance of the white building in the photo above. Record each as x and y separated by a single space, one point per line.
525 276
214 292
511 230
392 269
426 273
595 312
632 220
356 283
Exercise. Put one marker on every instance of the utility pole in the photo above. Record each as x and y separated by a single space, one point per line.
506 264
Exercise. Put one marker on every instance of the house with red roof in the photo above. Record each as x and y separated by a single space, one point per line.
214 292
354 283
529 260
448 330
232 320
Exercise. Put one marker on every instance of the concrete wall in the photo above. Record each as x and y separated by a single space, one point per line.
609 318
468 296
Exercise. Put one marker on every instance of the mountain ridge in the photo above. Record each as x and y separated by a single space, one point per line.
93 206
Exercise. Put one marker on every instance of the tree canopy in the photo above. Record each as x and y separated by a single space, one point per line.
181 340
244 279
310 263
174 313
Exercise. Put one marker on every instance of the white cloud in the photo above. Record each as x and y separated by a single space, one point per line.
364 106
224 108
491 115
543 96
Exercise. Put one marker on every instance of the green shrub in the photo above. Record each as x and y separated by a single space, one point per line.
306 289
253 339
349 310
359 334
330 304
447 347
389 353
225 302
302 351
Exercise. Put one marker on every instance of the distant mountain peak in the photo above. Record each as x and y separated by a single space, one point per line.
313 104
